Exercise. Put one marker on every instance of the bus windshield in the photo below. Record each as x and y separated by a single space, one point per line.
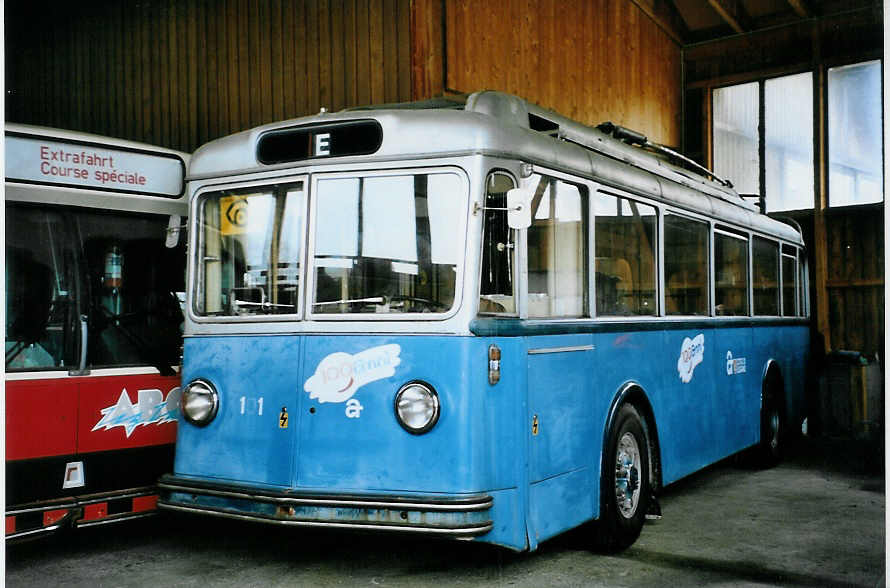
110 267
381 244
387 244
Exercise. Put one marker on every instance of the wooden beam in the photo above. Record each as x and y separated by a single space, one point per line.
819 246
708 128
800 8
665 15
856 283
752 76
733 13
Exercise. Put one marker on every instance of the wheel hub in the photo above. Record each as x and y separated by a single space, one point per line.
627 475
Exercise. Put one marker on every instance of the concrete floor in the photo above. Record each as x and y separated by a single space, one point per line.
816 520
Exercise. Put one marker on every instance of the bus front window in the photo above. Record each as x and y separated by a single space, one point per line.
388 244
250 250
41 310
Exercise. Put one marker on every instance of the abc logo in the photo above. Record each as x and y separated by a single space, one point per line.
236 213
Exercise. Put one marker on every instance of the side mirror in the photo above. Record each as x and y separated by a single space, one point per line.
173 231
519 208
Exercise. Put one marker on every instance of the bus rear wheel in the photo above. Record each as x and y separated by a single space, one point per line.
624 488
770 450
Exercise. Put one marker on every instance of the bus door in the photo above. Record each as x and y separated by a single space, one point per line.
561 368
561 429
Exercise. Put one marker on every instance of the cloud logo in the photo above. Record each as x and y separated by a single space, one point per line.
692 352
339 375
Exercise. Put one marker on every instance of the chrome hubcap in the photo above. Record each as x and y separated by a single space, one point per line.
627 475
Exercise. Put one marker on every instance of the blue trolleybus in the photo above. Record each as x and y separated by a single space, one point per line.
479 320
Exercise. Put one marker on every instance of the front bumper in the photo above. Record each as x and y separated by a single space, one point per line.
460 517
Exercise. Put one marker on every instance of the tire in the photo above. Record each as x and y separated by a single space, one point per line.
771 449
624 484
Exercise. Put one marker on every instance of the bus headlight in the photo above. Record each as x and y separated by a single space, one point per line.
199 402
417 407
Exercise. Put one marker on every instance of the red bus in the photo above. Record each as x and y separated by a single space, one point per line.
94 288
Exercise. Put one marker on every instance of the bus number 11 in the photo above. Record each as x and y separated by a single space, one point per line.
250 403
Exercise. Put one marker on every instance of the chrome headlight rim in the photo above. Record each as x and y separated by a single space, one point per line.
209 391
436 406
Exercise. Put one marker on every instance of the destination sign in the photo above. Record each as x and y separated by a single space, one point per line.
83 165
317 141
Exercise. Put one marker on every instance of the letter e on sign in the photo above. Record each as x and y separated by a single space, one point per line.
323 144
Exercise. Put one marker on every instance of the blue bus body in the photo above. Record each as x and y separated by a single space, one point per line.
540 484
304 431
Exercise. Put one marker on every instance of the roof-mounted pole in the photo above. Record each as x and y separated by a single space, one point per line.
632 137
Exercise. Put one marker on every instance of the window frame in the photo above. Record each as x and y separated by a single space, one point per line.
516 253
744 237
796 294
709 265
309 250
778 262
657 256
585 191
821 151
827 140
197 283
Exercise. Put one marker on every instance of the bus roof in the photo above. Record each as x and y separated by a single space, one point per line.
497 124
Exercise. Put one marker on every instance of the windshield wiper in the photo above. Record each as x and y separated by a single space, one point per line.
372 299
261 305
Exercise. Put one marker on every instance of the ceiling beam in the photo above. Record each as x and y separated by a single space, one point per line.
800 8
733 13
665 15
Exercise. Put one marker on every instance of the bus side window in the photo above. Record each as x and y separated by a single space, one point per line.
766 277
686 266
557 250
730 274
624 251
496 288
789 281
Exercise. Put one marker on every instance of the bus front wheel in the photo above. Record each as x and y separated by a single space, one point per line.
624 488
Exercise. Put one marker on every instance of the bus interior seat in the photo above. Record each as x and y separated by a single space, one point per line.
614 285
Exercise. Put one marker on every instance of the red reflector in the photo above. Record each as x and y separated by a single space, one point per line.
91 512
53 516
144 503
10 525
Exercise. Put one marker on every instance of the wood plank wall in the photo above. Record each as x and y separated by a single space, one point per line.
593 61
178 73
856 278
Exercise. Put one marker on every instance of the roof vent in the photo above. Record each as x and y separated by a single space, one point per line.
541 124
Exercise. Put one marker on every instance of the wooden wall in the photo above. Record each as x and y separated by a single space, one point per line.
178 73
855 279
594 61
181 72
